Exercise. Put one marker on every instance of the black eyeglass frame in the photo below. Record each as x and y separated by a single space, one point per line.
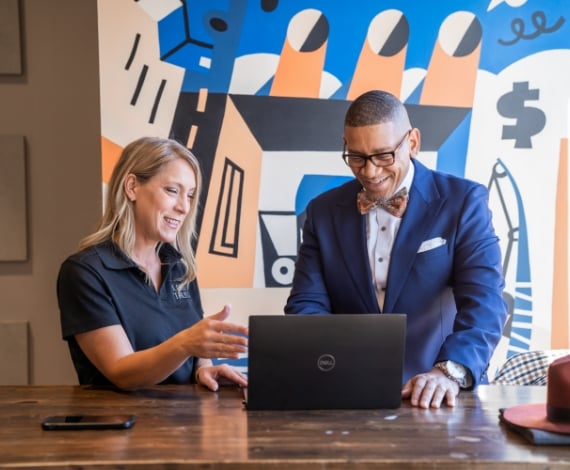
381 159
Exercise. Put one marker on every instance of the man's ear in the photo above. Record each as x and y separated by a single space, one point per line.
130 186
415 141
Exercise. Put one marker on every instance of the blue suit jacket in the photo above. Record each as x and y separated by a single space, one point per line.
452 294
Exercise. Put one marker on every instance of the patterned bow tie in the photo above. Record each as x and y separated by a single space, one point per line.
396 205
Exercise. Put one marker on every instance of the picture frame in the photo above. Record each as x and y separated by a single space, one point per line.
10 38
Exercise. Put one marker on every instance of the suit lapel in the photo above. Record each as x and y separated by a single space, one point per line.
350 228
424 204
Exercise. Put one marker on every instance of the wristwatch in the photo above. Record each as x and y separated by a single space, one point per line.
454 371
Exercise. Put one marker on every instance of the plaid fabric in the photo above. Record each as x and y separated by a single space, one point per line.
528 368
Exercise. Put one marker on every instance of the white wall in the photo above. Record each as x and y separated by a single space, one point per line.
245 302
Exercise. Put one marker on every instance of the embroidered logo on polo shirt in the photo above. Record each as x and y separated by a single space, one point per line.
179 294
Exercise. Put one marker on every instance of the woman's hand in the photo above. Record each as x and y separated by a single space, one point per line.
213 376
214 337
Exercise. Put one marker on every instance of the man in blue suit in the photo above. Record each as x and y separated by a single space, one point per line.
405 239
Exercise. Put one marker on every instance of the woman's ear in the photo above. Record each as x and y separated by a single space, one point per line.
130 186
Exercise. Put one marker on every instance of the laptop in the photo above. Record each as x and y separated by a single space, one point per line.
339 361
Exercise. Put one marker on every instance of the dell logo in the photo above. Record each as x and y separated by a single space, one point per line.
326 362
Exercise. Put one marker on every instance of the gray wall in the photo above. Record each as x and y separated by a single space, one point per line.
54 103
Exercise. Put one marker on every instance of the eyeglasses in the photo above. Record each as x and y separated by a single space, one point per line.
357 160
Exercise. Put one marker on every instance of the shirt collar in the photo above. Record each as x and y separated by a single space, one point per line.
113 257
408 179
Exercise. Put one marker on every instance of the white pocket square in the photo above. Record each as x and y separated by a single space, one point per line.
431 244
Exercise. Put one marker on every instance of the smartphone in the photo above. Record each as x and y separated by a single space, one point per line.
88 422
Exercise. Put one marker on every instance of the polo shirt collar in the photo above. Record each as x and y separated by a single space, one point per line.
113 257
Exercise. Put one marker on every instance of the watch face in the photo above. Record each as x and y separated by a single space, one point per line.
453 369
456 370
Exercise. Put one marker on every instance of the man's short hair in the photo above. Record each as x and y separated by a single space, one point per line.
374 107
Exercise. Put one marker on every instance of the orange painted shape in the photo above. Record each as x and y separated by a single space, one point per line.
221 268
110 153
299 74
376 72
450 81
560 328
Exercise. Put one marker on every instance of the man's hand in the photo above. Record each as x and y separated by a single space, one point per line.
429 389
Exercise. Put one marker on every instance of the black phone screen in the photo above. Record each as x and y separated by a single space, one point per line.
88 422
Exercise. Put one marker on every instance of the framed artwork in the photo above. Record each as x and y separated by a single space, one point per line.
13 204
10 45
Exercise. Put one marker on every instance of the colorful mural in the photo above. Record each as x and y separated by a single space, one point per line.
258 90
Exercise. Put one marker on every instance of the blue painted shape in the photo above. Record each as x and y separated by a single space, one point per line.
523 276
452 155
313 185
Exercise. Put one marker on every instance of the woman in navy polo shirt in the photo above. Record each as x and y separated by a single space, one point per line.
129 300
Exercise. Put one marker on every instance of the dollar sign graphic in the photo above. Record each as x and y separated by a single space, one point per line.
530 121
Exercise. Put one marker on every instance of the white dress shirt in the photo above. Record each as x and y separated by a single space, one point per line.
381 230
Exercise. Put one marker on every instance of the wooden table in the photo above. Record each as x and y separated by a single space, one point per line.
188 426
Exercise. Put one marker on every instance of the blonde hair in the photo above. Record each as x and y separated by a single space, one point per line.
145 158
